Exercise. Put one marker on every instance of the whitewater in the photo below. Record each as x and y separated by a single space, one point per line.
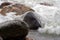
47 16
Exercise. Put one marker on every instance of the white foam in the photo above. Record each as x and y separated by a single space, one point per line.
49 16
9 16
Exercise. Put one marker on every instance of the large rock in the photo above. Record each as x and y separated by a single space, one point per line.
13 30
18 8
31 20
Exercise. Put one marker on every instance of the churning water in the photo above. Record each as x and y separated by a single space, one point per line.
48 15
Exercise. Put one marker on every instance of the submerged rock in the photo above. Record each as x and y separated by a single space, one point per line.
46 4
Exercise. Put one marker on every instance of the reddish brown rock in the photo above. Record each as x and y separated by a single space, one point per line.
29 39
18 8
5 4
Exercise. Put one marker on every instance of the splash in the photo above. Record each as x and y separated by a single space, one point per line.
47 16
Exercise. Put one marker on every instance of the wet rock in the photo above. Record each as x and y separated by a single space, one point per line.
46 4
31 20
18 8
5 4
13 30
